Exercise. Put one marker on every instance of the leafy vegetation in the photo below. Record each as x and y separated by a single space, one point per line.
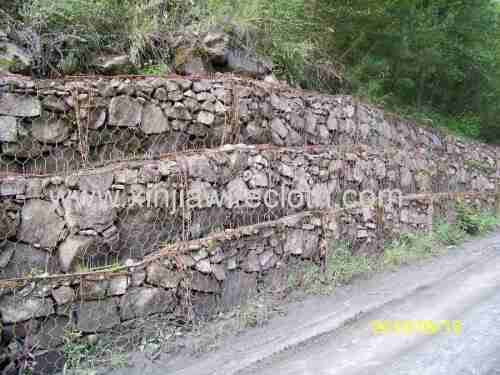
436 60
342 265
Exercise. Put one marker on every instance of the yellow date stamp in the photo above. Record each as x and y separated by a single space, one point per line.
417 327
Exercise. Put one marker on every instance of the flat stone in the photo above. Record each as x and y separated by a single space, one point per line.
25 260
88 212
302 242
15 309
63 295
206 118
12 187
72 248
8 129
279 128
140 302
40 224
154 120
118 285
200 167
238 287
51 332
96 182
50 129
204 266
125 111
204 283
53 103
97 316
19 105
160 275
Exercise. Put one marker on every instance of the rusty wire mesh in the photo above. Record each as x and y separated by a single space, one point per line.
124 202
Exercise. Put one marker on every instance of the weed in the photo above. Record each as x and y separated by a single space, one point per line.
341 267
155 70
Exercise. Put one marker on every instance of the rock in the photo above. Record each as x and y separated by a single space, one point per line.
118 285
88 212
15 308
179 112
25 260
302 242
75 247
19 105
55 104
14 59
50 129
139 302
236 191
51 332
251 262
267 260
279 128
204 283
94 288
202 85
8 224
243 63
63 295
96 118
154 120
205 305
124 111
204 266
6 253
96 183
113 65
159 275
219 272
48 362
238 287
187 62
40 224
97 316
8 129
215 47
206 118
200 167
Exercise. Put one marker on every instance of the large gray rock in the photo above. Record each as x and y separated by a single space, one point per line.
63 295
88 212
40 224
154 120
215 45
8 223
243 63
302 242
159 275
120 64
74 247
141 302
8 129
97 183
125 111
238 287
199 167
98 316
50 128
25 260
51 332
15 308
204 283
19 105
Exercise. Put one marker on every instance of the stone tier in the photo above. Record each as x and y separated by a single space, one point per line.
53 126
124 210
